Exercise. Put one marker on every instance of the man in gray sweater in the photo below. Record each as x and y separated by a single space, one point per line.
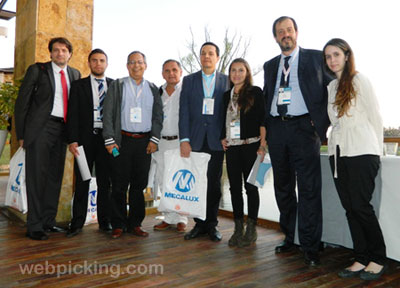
132 122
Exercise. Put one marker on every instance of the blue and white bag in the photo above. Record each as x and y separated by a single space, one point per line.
16 187
184 188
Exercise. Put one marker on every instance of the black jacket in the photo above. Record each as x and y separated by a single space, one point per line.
250 121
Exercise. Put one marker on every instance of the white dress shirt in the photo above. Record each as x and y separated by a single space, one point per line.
58 104
171 111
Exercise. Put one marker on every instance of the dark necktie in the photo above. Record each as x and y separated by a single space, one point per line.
282 109
65 94
102 94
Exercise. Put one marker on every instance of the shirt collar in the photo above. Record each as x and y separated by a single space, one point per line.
57 68
293 52
94 77
208 76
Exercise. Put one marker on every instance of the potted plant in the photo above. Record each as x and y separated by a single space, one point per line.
8 95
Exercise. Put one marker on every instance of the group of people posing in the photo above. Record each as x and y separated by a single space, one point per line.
124 124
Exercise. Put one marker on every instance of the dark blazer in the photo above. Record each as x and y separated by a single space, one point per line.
313 81
192 123
80 111
250 121
35 100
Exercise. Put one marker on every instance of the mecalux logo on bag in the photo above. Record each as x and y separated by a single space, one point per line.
183 181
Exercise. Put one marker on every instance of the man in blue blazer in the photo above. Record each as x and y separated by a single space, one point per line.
296 96
200 125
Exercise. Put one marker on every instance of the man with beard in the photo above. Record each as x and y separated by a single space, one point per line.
85 127
296 97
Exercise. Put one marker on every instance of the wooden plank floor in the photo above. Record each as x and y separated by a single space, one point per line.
164 259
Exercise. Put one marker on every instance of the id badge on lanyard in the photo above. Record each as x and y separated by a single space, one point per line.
284 95
136 115
208 106
235 129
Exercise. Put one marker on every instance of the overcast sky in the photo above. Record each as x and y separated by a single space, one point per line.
160 29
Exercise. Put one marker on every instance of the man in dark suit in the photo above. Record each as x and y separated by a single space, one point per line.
296 96
40 116
85 127
200 125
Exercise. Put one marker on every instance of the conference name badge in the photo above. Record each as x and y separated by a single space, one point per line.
284 95
235 129
136 115
208 106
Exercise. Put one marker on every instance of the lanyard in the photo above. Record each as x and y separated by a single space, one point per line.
210 87
234 107
134 91
286 72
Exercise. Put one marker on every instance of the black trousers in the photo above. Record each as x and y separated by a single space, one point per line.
294 148
214 174
96 155
45 159
355 185
131 169
239 161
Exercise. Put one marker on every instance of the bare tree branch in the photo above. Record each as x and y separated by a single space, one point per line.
233 47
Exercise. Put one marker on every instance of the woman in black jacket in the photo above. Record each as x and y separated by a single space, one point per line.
243 137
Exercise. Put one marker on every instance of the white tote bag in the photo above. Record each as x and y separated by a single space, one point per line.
16 187
259 173
91 215
184 189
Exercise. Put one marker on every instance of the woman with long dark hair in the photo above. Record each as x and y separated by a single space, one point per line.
355 144
243 137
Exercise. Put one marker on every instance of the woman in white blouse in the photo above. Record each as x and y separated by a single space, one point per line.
354 145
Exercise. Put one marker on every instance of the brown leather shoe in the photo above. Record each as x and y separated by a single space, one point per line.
162 226
116 233
138 231
181 227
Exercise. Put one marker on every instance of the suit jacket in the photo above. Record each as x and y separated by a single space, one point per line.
313 81
35 100
80 111
192 123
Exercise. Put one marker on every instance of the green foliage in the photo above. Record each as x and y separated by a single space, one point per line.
391 132
8 95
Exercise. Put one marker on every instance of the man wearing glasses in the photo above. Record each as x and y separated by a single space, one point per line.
132 122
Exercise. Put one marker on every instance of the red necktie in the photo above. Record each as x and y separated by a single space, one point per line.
65 94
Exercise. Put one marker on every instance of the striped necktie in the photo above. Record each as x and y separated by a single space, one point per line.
102 94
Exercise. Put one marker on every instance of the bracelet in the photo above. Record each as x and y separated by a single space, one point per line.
262 148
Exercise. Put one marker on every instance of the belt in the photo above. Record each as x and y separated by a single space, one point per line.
97 131
170 138
291 117
136 134
56 119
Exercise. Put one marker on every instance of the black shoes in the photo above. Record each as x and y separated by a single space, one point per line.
214 234
194 233
367 275
346 273
73 232
311 258
284 247
55 229
197 231
37 235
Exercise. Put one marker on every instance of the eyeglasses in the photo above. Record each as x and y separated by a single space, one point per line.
133 62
